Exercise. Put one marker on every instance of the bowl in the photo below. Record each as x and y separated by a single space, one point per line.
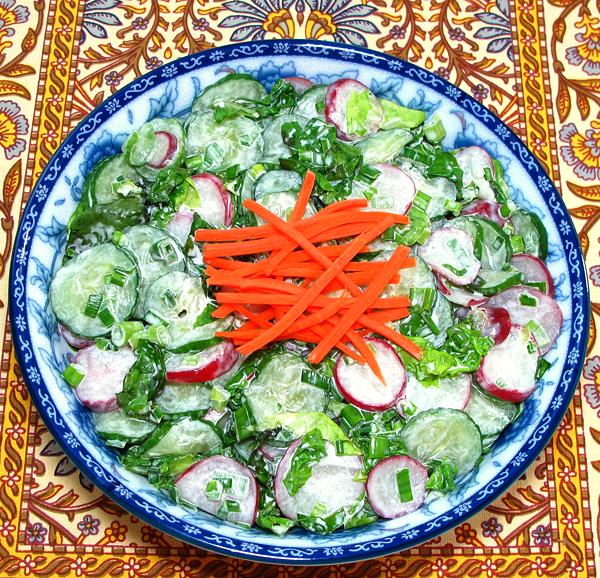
169 91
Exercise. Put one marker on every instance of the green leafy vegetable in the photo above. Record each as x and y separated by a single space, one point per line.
144 380
308 453
442 477
269 516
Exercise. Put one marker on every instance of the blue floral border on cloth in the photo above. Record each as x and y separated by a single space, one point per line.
321 553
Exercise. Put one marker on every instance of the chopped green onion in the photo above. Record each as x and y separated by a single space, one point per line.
538 333
505 210
453 207
367 175
542 367
155 318
527 300
517 244
122 332
421 200
219 398
454 270
214 490
433 129
119 276
105 344
213 155
531 347
125 187
426 317
158 334
164 251
379 447
120 239
423 297
106 317
403 484
73 374
93 305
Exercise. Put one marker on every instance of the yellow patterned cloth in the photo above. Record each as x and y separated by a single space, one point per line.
534 63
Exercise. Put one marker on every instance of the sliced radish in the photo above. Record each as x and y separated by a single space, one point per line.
450 252
528 306
385 496
493 322
534 270
272 453
180 225
488 209
165 149
216 207
336 113
332 484
508 370
458 295
204 366
361 387
453 392
300 84
74 340
473 161
104 372
214 416
395 190
213 482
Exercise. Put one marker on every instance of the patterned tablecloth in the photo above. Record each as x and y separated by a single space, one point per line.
535 64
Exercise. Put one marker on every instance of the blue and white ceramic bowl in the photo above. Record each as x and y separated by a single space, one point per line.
169 91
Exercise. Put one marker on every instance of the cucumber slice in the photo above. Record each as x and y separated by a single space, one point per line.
236 141
100 186
384 146
180 438
279 389
450 392
178 300
180 398
277 182
274 147
491 282
529 226
282 204
443 434
312 103
86 295
492 415
118 429
230 88
155 252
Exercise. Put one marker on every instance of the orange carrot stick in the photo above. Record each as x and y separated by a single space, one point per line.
358 308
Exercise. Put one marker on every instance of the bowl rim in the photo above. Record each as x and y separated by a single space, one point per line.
318 555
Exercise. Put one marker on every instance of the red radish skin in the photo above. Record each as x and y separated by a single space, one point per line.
361 387
216 207
508 370
74 340
214 362
104 374
546 312
488 209
191 485
382 488
534 270
300 84
336 100
166 148
332 483
436 253
493 322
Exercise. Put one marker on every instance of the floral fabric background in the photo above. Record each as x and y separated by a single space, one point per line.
535 63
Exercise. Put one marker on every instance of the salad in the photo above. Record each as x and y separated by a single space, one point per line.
295 308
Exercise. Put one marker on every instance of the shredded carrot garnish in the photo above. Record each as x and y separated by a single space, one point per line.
286 293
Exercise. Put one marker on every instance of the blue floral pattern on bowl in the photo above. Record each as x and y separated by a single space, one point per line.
170 90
